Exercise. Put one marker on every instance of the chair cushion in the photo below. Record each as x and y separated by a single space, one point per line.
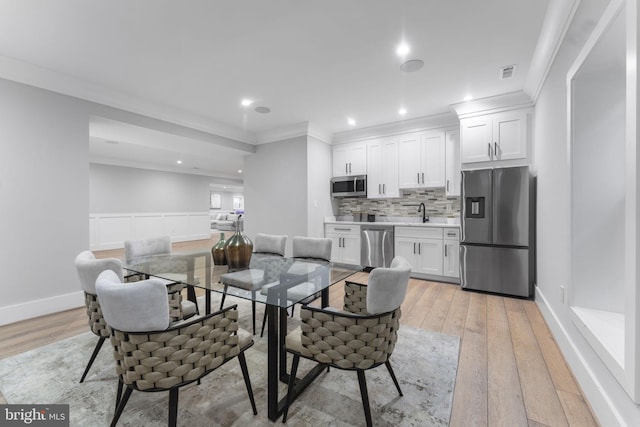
135 307
312 247
245 338
293 341
386 287
270 243
146 247
250 279
188 308
89 268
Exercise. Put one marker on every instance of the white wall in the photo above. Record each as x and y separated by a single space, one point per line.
44 199
116 189
275 189
611 404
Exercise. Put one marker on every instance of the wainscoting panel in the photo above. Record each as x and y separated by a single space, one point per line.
109 231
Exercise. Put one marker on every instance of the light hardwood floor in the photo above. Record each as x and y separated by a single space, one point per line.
510 373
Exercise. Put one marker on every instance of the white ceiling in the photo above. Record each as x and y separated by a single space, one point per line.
314 61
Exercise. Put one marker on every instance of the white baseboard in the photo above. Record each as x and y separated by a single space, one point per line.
41 307
600 399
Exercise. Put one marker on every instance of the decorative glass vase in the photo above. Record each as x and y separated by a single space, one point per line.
217 252
238 250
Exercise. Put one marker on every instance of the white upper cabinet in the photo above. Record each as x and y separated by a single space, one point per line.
495 137
452 168
422 159
350 159
382 168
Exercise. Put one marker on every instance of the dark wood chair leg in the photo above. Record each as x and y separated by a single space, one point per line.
365 397
118 394
173 407
224 294
247 381
123 403
292 383
393 377
93 357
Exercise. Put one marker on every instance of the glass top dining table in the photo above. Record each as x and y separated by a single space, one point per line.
195 268
308 276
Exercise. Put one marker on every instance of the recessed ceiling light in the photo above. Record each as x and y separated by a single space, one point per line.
412 65
179 162
351 121
403 49
239 170
246 102
402 111
468 98
262 110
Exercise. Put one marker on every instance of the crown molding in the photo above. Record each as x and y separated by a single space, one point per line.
435 121
557 20
43 78
493 104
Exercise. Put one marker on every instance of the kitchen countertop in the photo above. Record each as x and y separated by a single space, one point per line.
400 223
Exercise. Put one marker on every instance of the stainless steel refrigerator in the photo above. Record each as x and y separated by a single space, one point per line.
497 251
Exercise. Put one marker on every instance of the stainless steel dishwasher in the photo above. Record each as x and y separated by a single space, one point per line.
376 246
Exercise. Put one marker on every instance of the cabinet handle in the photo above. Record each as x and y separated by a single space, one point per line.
423 177
349 167
414 248
346 168
418 175
384 190
419 247
445 250
447 186
379 189
342 229
489 147
495 150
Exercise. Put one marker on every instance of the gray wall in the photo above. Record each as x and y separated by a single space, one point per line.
281 181
44 195
319 159
116 189
554 228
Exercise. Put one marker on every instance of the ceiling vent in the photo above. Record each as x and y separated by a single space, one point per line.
507 72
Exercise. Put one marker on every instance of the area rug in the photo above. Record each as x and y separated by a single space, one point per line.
425 364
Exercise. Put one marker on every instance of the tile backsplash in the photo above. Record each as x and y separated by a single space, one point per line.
437 203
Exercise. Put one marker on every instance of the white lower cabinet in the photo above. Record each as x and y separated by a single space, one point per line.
451 261
431 251
345 243
422 247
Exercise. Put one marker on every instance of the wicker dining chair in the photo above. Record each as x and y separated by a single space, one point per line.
261 270
310 253
152 354
162 246
88 268
359 338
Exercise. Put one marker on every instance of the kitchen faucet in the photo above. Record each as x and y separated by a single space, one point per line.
422 207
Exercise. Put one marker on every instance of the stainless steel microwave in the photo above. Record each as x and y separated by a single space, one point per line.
349 186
